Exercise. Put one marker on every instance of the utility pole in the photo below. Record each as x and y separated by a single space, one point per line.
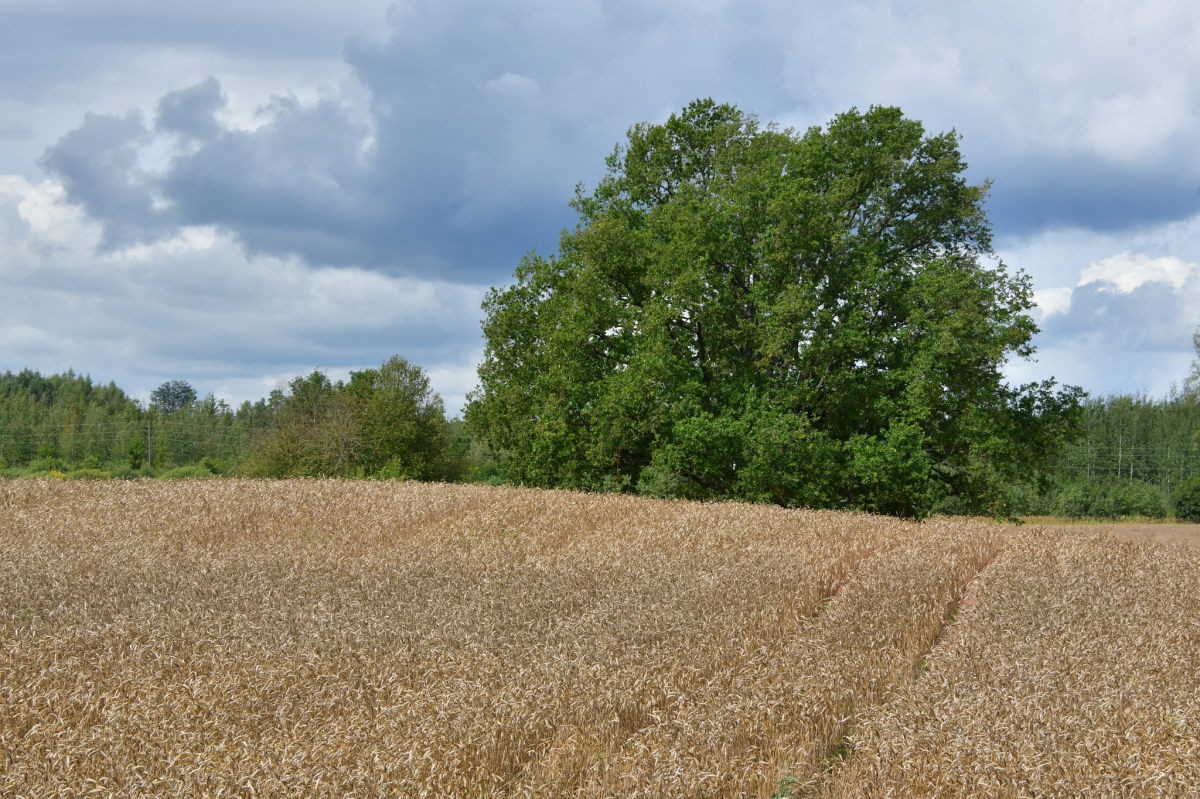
149 450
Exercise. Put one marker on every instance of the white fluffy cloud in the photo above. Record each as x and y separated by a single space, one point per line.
1125 325
1127 271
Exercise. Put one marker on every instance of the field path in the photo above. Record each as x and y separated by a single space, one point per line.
1074 674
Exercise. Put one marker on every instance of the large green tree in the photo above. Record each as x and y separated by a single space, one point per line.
807 318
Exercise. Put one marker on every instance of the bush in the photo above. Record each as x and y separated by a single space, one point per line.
387 423
392 470
1023 499
40 467
1187 501
87 473
192 471
1112 499
662 483
214 465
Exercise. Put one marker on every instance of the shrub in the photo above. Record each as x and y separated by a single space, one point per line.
1112 499
1024 499
199 470
214 465
42 466
1187 501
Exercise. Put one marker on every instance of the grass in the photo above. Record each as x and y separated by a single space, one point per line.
307 638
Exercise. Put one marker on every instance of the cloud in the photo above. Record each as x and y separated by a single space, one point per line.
1126 325
1153 316
1127 302
511 86
1124 282
191 113
99 166
16 131
1129 270
437 142
482 116
1052 301
195 307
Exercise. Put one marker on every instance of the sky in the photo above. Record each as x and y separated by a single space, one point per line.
236 193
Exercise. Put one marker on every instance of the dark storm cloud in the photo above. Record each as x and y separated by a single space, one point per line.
48 43
482 118
98 164
191 112
297 184
1087 192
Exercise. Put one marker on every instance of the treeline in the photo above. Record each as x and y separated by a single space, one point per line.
67 423
1137 456
384 422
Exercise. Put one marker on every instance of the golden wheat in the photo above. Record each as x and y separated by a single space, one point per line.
331 638
338 638
1072 672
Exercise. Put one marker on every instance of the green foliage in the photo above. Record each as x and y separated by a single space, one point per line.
752 313
386 423
1187 500
1111 499
137 453
192 471
89 474
312 433
66 417
481 462
173 396
39 467
786 786
61 416
1192 384
1135 452
403 423
1020 499
1139 437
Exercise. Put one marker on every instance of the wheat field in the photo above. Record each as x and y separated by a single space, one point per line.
338 638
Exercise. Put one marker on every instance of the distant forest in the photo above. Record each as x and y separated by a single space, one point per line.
1133 454
384 422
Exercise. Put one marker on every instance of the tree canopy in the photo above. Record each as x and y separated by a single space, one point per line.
386 422
173 395
811 319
